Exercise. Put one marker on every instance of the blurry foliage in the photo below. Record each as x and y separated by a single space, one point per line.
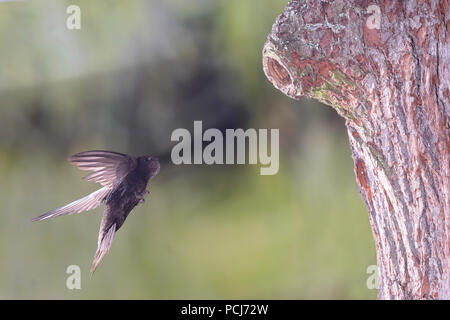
134 72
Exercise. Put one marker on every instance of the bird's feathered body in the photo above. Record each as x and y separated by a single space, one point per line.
124 179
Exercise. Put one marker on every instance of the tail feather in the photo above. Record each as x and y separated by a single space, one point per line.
89 202
103 247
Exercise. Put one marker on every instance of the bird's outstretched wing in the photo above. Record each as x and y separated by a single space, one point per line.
103 247
106 234
89 202
108 167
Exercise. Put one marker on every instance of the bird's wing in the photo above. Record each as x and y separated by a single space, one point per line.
89 202
103 247
108 167
105 237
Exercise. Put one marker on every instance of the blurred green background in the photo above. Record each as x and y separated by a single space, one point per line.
136 71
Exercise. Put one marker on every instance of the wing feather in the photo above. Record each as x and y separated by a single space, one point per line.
108 167
89 202
104 244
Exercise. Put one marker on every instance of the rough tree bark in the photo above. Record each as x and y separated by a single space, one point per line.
390 81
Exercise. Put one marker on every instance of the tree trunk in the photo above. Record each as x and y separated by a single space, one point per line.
384 67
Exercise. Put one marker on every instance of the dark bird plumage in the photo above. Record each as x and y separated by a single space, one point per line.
124 179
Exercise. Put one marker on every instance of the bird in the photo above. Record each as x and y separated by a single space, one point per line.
124 179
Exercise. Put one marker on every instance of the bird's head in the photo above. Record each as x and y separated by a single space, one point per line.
152 163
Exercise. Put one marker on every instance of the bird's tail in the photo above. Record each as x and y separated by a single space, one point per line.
89 202
103 247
